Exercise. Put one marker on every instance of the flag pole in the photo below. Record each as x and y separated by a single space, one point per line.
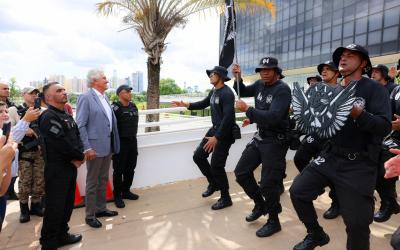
234 44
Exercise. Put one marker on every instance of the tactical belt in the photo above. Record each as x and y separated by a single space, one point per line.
271 134
346 153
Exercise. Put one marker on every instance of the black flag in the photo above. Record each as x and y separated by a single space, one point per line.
228 49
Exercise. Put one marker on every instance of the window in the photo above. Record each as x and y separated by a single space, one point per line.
292 44
316 50
299 44
337 32
317 37
349 13
348 29
362 9
391 17
391 34
361 25
347 41
307 52
337 17
375 21
361 39
307 40
374 37
325 48
326 35
318 11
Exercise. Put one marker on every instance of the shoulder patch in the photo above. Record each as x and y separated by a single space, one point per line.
115 107
55 130
56 123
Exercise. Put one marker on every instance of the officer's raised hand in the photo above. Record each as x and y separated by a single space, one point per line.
236 71
241 105
77 163
179 104
31 115
210 145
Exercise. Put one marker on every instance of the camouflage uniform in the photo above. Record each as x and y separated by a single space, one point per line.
31 176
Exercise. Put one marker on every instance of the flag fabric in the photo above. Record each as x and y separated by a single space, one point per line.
228 49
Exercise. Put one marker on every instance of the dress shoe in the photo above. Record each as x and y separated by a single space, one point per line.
69 239
386 210
222 203
271 227
119 203
130 196
93 222
256 213
37 209
332 212
210 190
106 213
312 240
24 216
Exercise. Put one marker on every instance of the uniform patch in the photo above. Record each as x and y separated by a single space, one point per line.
55 130
269 99
310 139
319 160
115 107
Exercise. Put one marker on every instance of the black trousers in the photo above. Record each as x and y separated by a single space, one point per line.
354 182
270 153
214 171
124 165
60 181
395 241
310 148
386 188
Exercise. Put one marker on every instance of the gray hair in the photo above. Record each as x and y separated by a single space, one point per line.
92 75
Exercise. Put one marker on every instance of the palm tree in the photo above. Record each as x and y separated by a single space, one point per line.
153 20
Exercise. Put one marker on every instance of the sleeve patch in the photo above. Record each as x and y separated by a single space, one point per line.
55 130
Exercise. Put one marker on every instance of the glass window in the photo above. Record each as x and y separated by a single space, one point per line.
348 2
338 4
307 40
392 17
337 17
307 51
362 9
347 41
391 3
292 55
317 37
361 25
325 48
374 50
292 44
309 4
391 34
316 50
300 18
337 32
326 35
299 54
336 44
349 13
389 47
375 6
374 37
318 11
309 15
299 44
348 29
300 7
375 21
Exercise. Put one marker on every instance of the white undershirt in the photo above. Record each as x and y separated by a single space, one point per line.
106 106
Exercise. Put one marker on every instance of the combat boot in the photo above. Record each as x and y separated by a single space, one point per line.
386 210
257 212
24 216
37 209
271 227
313 240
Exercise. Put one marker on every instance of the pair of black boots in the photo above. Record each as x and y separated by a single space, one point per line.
36 209
223 202
272 226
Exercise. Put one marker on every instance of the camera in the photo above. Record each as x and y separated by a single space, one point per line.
38 103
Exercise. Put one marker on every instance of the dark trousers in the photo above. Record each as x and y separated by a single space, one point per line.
3 206
60 184
395 241
309 149
270 153
386 188
124 165
214 171
354 182
10 189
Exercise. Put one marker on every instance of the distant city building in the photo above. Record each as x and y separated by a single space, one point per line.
114 81
137 81
128 81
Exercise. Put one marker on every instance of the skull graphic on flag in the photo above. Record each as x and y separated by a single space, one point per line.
322 110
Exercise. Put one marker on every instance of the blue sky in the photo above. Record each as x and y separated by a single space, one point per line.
44 37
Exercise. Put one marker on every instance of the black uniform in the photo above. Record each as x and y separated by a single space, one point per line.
269 146
386 188
124 163
61 144
349 163
221 102
390 86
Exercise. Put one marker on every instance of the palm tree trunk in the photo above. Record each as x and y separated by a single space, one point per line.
153 93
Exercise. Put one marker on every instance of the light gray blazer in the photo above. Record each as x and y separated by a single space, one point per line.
94 126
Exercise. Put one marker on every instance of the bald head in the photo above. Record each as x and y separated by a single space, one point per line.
4 91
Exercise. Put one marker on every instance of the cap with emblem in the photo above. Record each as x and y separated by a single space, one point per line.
221 71
357 48
330 64
268 63
123 87
29 90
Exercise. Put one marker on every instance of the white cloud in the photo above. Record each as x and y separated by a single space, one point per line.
44 37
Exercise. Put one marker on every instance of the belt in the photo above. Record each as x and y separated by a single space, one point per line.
348 153
268 134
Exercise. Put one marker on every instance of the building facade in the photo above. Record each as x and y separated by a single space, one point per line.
306 32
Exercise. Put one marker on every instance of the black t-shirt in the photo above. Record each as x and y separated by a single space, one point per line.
272 102
221 102
373 124
127 119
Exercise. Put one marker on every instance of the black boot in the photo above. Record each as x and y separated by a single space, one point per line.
210 190
332 212
24 216
312 240
12 196
223 202
119 203
271 227
386 210
129 195
37 209
257 212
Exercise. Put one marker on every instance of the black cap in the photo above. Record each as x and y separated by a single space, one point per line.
319 79
123 87
221 71
383 69
330 64
268 63
353 47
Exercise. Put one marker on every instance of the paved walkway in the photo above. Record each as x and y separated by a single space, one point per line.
175 217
